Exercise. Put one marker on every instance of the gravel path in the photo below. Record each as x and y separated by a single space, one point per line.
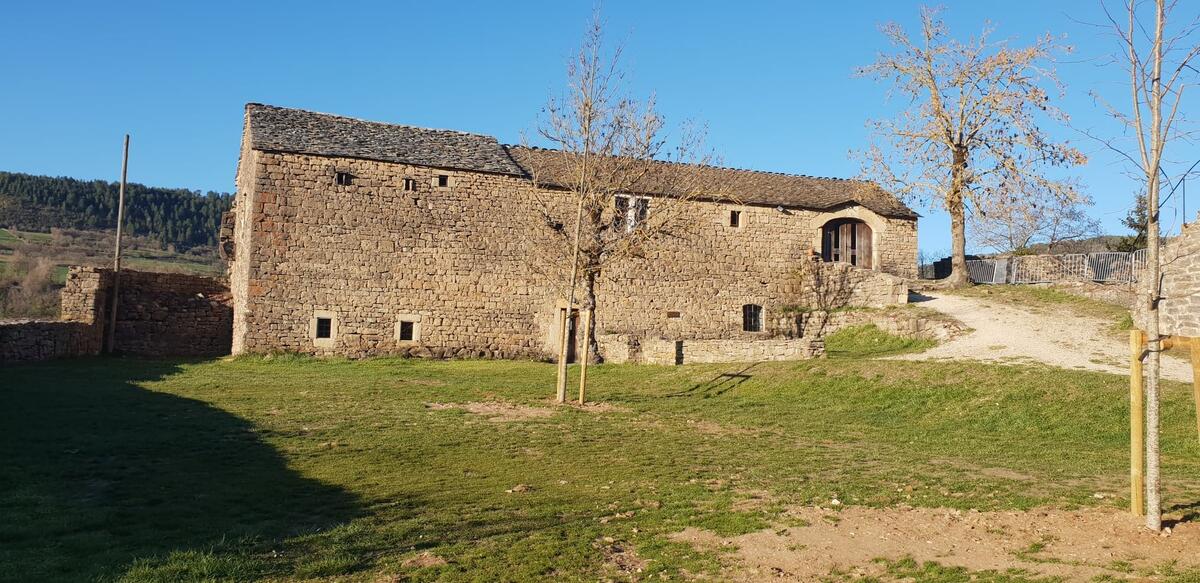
1005 333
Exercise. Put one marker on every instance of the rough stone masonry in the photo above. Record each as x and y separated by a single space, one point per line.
360 238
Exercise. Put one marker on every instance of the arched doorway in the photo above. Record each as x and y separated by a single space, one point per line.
847 240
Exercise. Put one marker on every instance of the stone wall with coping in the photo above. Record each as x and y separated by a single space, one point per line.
460 259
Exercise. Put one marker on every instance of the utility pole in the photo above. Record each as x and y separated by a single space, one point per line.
116 286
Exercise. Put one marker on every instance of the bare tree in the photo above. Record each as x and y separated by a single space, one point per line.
625 180
1158 59
1014 224
971 130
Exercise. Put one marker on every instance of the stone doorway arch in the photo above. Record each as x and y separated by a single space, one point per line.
849 241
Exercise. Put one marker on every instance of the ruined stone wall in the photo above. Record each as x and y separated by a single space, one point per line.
159 314
1179 310
624 348
459 263
173 314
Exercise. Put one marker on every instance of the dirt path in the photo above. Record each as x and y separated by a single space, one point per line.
1074 545
1010 334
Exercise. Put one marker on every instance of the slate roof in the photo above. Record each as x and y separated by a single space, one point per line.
282 129
305 132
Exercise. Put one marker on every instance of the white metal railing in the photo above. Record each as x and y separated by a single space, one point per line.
1104 267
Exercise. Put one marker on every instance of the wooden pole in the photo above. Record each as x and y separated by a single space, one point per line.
587 345
116 286
564 318
1195 348
1137 425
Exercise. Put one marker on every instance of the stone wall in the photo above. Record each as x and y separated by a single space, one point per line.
159 314
623 348
461 263
1179 310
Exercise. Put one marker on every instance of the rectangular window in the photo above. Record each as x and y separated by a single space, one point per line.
735 218
443 180
674 315
408 328
343 178
752 318
410 184
324 328
406 331
629 212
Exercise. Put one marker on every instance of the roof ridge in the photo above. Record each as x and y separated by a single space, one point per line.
718 167
370 121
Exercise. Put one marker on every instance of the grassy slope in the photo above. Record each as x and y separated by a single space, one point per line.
143 259
292 468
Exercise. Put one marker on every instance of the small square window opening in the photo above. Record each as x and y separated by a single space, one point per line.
324 328
752 320
735 218
406 331
344 178
443 180
674 315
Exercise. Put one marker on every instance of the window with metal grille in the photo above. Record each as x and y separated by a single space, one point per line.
343 178
752 320
410 184
324 327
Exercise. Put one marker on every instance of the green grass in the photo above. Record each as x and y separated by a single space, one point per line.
870 341
1048 299
290 468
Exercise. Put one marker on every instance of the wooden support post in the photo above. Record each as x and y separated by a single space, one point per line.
564 319
1195 348
583 363
1137 425
111 339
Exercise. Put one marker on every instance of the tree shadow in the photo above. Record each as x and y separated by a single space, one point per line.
718 385
99 472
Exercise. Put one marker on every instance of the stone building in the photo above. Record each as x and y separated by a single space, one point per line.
358 238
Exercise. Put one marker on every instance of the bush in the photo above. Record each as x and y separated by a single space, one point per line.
27 288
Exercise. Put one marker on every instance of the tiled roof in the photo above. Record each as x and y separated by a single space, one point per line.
734 184
306 132
283 129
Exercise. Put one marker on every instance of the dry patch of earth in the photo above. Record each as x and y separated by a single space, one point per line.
496 411
1074 545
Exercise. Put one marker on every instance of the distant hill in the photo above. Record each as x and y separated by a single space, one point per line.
173 216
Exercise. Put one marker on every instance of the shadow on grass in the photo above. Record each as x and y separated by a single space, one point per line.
100 473
718 385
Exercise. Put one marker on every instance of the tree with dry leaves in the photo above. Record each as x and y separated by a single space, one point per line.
625 182
971 132
1159 50
1013 224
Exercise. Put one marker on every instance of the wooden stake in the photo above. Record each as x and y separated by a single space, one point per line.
564 318
1196 381
1137 425
116 287
583 364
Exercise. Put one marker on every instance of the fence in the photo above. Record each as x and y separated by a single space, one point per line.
1102 267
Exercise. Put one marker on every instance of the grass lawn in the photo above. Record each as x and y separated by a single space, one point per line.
299 469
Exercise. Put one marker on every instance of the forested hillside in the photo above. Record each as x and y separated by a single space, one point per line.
173 216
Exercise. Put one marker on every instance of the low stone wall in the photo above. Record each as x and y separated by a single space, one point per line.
158 314
621 348
1179 309
900 323
27 340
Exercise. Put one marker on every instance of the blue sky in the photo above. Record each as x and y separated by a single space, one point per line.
773 80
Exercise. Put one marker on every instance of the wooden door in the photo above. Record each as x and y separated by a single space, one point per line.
847 240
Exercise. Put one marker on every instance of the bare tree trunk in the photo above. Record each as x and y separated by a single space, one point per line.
956 208
1154 346
589 304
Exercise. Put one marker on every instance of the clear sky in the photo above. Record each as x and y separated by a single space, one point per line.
773 80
